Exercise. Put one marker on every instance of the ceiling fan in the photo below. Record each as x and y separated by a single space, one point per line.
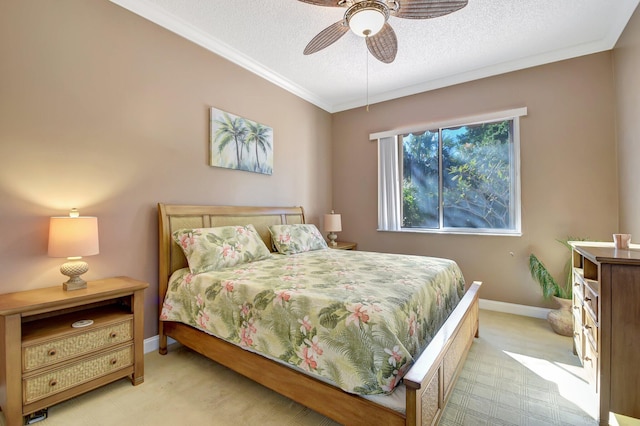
368 19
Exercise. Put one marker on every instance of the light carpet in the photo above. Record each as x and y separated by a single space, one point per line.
518 372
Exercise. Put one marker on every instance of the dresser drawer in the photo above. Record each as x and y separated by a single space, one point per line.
578 282
591 331
590 364
82 371
46 353
577 329
591 296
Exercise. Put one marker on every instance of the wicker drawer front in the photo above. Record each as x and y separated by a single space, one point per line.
47 353
55 381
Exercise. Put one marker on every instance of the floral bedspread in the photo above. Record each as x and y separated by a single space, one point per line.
356 318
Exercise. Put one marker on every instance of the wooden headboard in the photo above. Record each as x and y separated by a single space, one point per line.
172 217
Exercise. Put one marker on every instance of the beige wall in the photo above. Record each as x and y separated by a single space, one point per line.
568 170
107 112
627 82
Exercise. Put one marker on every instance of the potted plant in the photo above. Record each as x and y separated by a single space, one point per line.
561 319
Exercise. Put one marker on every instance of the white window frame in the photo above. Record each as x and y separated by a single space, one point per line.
389 169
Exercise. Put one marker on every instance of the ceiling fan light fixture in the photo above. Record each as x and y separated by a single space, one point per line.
366 18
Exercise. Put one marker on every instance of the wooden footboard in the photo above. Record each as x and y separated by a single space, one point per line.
428 383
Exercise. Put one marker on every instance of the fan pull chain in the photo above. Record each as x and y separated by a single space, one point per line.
367 74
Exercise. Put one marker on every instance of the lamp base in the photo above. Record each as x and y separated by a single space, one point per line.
73 269
332 237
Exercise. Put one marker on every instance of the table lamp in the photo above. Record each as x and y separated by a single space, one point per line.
333 224
72 237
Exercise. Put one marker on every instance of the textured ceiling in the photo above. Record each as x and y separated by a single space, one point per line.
485 38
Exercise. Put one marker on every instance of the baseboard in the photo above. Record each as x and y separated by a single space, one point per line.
152 343
512 308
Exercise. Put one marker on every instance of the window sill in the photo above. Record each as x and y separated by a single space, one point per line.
454 232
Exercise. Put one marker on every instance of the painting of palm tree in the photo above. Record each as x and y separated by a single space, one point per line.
238 143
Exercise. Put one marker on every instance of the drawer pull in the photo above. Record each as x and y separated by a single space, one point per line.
114 361
113 334
52 352
53 382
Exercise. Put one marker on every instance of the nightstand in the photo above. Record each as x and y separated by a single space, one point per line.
45 359
344 245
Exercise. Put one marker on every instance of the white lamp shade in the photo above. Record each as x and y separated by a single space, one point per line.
367 22
73 236
332 222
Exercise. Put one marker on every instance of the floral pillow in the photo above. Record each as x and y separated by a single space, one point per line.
292 239
209 249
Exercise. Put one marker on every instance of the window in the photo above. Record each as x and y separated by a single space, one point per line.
456 177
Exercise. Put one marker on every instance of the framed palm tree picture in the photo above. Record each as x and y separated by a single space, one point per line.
238 143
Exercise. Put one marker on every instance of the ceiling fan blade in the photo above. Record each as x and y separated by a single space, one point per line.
326 37
384 45
425 9
330 3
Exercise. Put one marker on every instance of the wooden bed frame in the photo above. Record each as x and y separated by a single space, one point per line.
428 383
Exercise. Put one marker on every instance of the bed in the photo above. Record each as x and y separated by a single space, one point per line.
426 385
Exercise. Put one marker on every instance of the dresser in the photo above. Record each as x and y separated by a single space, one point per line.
57 344
606 311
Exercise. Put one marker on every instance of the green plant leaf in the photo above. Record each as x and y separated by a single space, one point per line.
550 287
540 273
